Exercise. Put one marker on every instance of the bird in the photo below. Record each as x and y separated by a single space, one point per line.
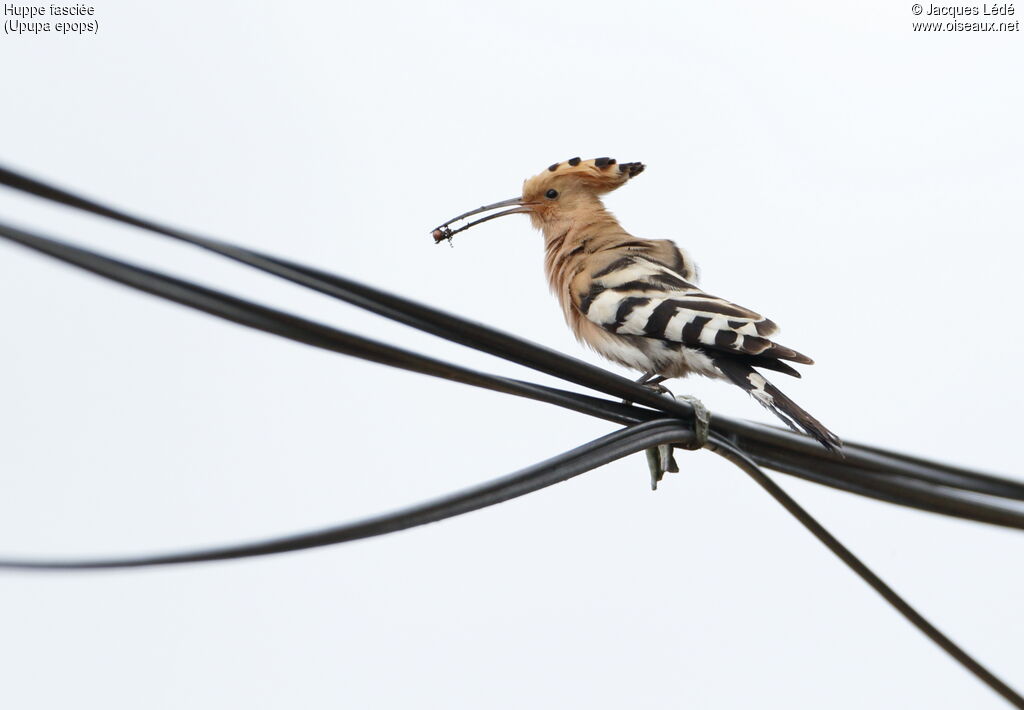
637 301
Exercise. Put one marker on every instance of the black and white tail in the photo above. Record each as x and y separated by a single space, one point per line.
796 418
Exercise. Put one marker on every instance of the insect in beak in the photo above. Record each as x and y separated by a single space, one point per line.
446 232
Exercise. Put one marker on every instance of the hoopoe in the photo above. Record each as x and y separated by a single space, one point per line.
636 301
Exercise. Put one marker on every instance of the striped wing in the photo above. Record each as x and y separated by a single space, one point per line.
635 295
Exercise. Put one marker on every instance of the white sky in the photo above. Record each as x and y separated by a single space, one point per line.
855 181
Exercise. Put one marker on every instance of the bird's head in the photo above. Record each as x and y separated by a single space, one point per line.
559 190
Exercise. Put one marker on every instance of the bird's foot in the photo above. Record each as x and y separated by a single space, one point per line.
653 382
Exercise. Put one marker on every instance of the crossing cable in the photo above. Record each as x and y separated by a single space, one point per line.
905 480
762 442
533 478
841 473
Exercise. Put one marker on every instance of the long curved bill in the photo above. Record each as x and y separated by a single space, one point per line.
446 232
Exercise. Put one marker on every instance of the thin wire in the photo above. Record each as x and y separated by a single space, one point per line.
737 457
546 473
745 434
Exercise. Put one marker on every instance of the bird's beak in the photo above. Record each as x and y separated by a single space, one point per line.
518 205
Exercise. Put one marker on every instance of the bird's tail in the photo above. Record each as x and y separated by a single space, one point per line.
796 418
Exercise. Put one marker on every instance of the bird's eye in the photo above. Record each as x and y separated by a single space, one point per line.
551 194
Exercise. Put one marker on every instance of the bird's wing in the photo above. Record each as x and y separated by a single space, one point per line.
630 294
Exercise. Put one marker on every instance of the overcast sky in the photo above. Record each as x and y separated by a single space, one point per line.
856 181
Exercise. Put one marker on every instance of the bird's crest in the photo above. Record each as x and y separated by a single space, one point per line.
599 174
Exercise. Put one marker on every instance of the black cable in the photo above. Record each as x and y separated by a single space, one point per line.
269 320
852 474
842 475
737 457
754 436
813 457
546 473
430 320
904 479
555 470
909 493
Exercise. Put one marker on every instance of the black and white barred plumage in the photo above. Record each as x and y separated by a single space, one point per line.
661 322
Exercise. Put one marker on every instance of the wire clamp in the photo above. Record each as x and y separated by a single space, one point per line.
701 422
660 459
